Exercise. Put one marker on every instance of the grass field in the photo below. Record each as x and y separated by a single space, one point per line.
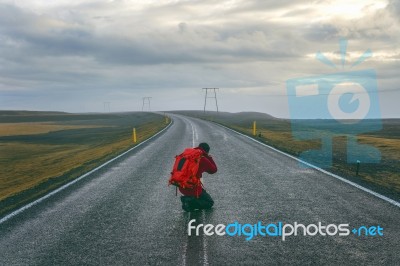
12 129
42 151
383 177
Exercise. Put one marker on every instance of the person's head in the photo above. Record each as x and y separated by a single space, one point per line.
204 146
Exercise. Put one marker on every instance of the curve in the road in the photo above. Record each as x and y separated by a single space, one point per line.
124 214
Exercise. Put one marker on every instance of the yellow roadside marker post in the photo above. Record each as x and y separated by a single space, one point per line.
134 135
254 128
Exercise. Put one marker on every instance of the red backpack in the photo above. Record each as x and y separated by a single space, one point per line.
185 168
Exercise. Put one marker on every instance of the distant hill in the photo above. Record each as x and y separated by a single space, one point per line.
254 115
30 113
49 116
244 119
239 115
391 126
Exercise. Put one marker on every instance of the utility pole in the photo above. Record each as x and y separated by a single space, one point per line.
212 97
146 101
107 107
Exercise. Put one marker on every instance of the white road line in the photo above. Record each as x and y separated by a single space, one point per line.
16 212
225 137
194 132
389 200
205 256
185 245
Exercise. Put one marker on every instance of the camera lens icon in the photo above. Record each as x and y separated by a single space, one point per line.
348 102
338 104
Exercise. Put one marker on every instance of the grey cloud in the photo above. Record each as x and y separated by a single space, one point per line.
36 33
182 27
106 48
394 8
321 32
262 5
197 46
298 12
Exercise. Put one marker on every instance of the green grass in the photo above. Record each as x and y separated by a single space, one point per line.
383 177
37 157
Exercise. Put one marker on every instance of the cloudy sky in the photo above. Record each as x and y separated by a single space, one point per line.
74 55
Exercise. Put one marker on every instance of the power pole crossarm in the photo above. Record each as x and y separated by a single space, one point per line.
212 97
107 106
146 101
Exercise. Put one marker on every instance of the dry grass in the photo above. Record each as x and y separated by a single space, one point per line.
390 147
383 177
389 173
283 140
25 165
47 161
12 129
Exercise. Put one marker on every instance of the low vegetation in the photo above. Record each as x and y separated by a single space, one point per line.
42 151
383 177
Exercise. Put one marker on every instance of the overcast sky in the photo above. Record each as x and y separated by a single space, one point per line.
73 55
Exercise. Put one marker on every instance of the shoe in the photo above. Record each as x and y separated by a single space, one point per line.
186 206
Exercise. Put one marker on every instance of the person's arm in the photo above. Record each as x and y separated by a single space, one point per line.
208 165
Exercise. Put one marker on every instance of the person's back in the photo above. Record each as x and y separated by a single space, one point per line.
197 197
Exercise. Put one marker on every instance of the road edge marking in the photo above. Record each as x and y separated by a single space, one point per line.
376 194
33 203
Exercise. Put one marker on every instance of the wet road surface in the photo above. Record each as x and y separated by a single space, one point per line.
124 213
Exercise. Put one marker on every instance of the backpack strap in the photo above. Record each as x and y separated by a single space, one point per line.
199 184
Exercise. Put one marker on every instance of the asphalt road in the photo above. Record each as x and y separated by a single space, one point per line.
124 214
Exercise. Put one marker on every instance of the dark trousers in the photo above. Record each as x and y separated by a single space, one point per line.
204 201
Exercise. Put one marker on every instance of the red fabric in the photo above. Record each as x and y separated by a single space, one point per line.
207 165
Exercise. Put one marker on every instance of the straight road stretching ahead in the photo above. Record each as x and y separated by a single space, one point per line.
124 213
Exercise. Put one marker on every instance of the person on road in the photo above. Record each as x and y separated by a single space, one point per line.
197 197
